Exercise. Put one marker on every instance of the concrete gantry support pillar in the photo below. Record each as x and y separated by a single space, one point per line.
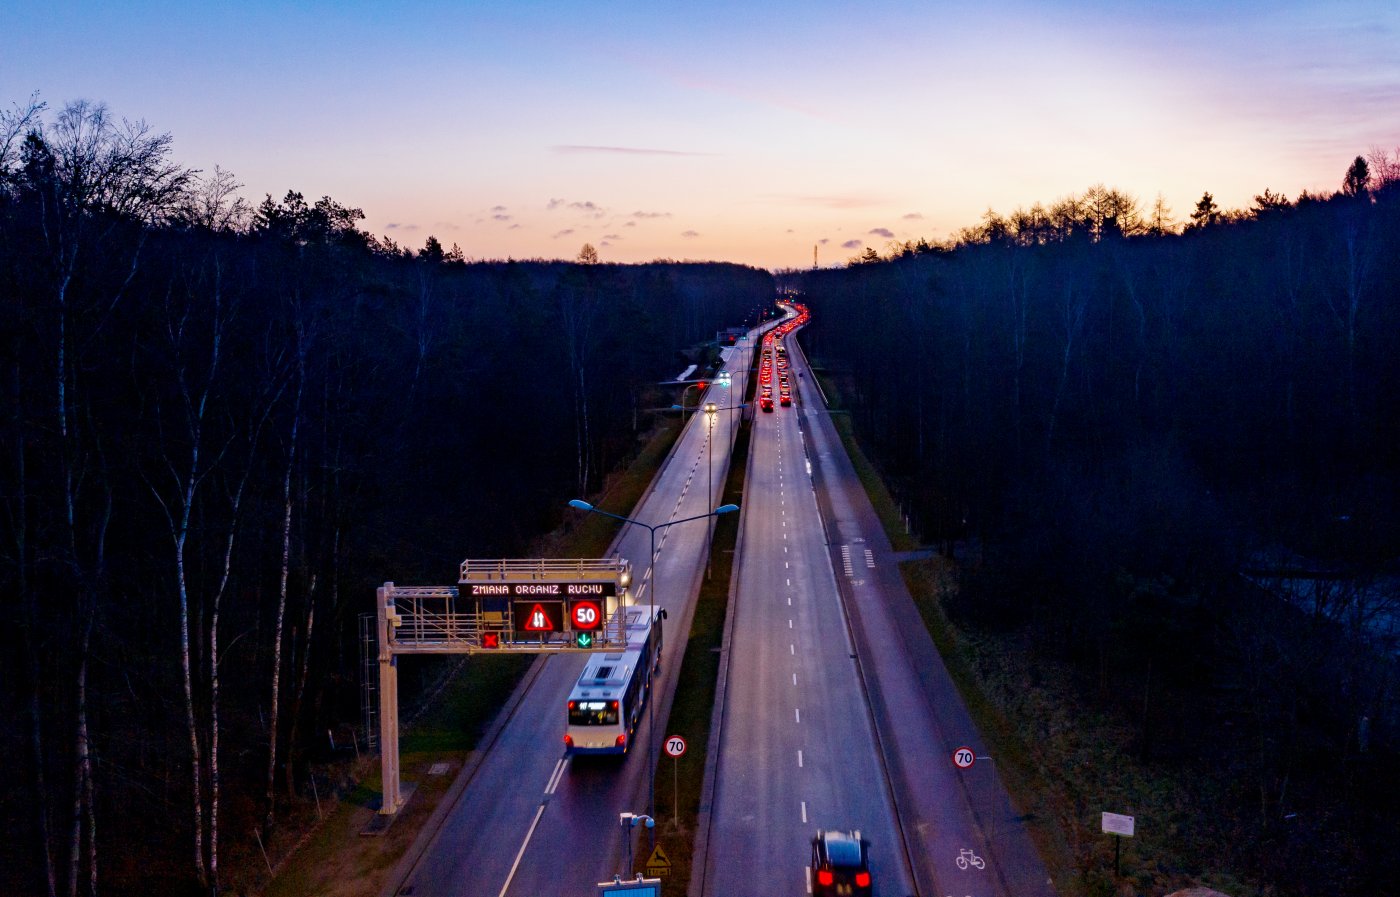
388 703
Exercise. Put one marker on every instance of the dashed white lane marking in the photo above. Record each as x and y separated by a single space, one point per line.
794 678
804 815
792 649
789 582
789 601
789 624
799 759
798 712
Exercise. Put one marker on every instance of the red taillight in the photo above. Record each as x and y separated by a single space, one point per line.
612 705
824 877
622 740
862 879
571 705
568 741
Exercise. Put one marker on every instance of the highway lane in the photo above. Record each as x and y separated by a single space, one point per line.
921 717
797 749
530 821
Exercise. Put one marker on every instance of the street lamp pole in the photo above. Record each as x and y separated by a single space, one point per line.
710 409
682 406
581 505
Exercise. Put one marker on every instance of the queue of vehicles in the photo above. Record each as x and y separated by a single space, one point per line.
775 355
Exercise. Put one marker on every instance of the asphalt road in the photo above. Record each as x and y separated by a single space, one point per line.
529 821
797 749
946 814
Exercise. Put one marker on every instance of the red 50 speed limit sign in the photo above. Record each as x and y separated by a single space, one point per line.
963 757
675 746
585 615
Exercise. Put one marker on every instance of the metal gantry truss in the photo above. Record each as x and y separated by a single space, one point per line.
479 616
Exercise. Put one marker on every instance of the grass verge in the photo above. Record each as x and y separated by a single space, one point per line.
327 857
885 506
678 783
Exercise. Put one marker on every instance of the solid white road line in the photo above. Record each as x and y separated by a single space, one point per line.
524 844
558 774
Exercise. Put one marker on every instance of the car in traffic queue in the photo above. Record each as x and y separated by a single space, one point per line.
766 403
840 864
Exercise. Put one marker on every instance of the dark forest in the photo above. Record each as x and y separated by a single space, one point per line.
223 426
1170 460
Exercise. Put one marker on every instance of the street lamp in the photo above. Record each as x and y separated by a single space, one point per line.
581 505
700 383
727 379
710 409
630 821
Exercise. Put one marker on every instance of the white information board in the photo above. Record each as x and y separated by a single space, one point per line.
1117 824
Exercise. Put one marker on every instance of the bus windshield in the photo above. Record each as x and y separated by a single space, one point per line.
593 713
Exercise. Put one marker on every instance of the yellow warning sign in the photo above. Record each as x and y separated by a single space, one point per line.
658 864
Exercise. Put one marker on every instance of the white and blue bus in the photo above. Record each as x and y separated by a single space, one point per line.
608 698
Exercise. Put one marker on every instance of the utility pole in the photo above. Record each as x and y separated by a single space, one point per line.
814 255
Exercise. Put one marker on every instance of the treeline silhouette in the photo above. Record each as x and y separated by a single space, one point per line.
1171 461
223 427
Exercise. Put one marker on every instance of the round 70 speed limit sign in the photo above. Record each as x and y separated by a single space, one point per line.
675 746
963 757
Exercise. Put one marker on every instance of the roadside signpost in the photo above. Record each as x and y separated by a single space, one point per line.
658 864
675 748
1120 827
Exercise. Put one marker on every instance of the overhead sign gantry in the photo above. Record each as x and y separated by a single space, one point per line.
529 606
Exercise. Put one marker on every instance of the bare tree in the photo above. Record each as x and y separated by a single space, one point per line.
1384 167
275 702
92 185
213 202
1074 305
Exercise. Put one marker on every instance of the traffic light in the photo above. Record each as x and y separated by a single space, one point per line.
584 639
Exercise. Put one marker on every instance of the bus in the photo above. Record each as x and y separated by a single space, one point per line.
608 698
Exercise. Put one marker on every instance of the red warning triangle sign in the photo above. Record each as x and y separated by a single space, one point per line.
538 620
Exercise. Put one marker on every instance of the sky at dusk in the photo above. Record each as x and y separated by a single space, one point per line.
728 131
